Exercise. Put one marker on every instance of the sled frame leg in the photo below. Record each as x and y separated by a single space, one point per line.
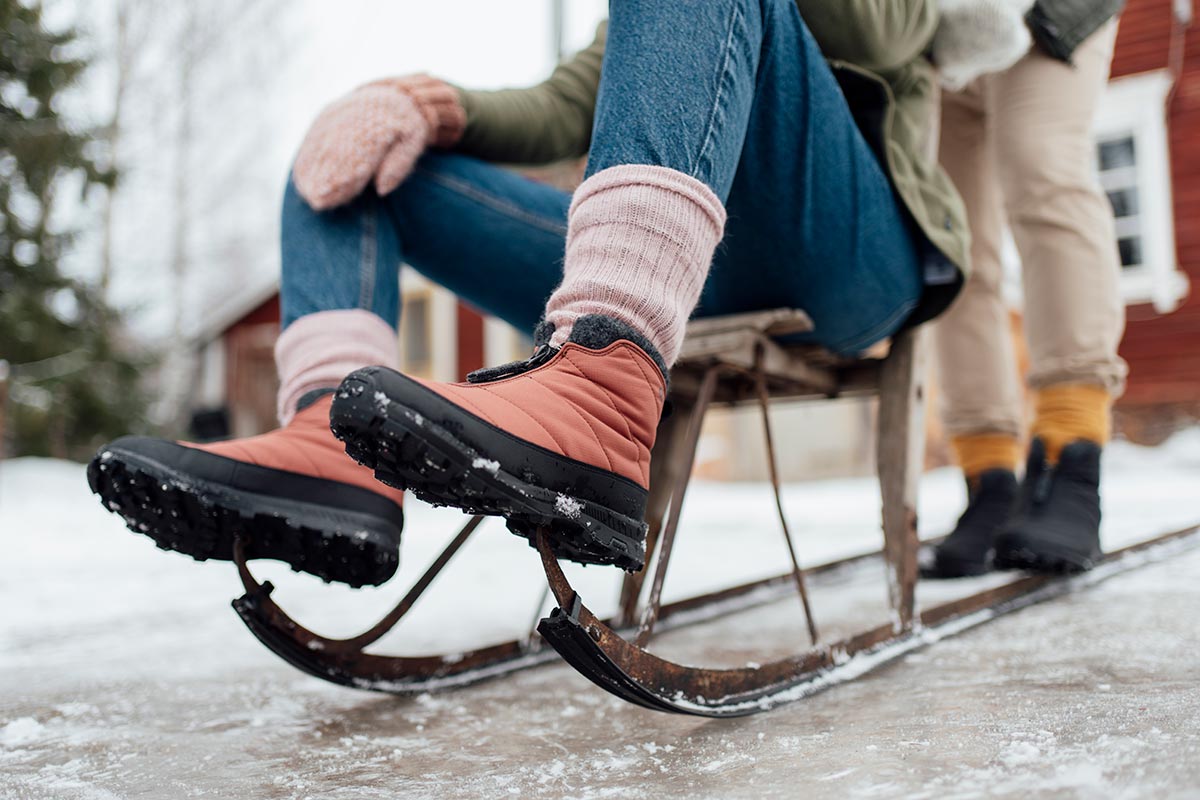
900 455
687 457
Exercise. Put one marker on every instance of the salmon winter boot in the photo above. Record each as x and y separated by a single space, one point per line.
292 494
563 439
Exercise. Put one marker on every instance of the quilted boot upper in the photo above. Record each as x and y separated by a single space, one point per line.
597 406
304 446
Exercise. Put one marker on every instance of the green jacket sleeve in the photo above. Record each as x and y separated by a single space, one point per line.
877 35
541 124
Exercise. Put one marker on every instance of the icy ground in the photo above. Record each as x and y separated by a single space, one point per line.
124 673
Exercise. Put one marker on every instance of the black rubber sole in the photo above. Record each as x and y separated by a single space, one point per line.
944 566
201 519
1045 557
410 451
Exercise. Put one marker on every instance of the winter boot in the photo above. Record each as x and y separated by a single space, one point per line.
292 494
1056 525
968 549
560 440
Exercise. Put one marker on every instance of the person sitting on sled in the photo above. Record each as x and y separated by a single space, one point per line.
731 168
1018 145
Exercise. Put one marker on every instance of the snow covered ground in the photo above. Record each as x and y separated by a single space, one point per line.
124 673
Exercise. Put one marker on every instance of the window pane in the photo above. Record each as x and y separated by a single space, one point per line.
1124 202
416 332
1131 251
1117 153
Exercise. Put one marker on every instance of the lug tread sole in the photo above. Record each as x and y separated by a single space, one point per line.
409 452
201 521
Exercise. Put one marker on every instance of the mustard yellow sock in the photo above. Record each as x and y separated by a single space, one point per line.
1068 412
979 452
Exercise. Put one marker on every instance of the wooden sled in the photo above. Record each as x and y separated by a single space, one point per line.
725 361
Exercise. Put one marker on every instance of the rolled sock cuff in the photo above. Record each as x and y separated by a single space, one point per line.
640 242
318 350
977 453
1068 412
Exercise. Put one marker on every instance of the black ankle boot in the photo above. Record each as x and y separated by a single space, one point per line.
968 549
1056 526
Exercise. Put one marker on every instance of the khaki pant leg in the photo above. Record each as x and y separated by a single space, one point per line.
976 363
1042 112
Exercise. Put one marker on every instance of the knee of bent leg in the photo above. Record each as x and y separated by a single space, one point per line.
1043 161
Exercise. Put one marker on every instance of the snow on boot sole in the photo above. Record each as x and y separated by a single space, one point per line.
355 541
409 450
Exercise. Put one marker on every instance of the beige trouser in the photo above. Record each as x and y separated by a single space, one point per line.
1018 146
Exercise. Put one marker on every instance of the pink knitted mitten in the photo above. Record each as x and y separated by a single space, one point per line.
377 129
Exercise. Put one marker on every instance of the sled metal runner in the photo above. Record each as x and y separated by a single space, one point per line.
725 361
611 662
344 662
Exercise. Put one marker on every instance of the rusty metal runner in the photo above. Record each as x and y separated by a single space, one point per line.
638 676
596 647
345 662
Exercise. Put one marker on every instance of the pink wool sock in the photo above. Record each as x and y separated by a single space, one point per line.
640 241
318 350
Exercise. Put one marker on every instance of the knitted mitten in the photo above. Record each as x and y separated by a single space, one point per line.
975 37
378 131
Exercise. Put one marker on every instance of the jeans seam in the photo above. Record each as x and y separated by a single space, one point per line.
494 203
865 339
368 256
716 108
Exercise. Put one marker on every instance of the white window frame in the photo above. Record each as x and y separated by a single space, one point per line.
1135 106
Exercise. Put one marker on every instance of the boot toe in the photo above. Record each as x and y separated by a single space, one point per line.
198 503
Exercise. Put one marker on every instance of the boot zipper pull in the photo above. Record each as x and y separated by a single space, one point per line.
540 356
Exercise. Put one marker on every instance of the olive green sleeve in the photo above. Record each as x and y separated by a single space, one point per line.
877 35
541 124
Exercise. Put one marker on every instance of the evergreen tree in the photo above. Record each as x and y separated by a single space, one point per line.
72 383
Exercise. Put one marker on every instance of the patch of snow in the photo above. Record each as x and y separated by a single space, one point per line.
382 401
487 465
568 506
21 732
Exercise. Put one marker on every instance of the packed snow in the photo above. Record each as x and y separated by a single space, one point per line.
568 506
487 465
124 673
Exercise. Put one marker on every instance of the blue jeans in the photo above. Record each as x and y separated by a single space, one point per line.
744 102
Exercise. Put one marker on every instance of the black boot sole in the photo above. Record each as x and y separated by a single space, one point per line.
409 450
1045 557
946 566
188 514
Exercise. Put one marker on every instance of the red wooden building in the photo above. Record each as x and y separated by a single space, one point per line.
1158 59
441 338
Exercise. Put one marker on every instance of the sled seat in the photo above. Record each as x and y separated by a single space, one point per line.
735 359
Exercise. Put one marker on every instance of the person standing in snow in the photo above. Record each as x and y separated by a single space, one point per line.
792 134
1018 145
